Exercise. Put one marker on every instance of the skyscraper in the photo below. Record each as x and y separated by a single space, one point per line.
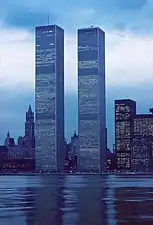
141 155
91 100
125 111
49 98
29 129
142 146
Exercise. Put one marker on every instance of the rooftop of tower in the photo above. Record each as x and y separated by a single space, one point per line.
47 26
90 28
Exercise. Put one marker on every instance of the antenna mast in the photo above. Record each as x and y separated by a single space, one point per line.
48 19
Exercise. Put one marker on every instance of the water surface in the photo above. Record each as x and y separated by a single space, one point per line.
76 200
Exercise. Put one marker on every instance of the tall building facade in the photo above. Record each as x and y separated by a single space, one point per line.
141 158
49 98
143 124
91 100
29 129
142 147
125 111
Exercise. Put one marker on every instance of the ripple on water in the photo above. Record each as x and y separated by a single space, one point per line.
78 200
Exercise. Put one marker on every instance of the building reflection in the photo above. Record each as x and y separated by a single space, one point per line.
49 201
76 200
67 200
134 206
92 205
42 204
29 206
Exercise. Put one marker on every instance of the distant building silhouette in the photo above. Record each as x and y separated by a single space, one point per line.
75 144
3 156
71 154
9 142
29 129
21 141
17 152
3 153
110 160
65 149
20 157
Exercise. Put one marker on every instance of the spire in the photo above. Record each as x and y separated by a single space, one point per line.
8 134
48 17
74 135
29 110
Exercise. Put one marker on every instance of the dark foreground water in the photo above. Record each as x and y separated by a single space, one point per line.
76 200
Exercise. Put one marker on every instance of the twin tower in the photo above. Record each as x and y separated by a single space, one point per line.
49 99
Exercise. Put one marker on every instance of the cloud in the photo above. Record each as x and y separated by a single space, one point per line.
16 58
27 14
71 80
125 5
128 59
23 14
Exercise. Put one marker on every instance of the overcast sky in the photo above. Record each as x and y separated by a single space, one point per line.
129 54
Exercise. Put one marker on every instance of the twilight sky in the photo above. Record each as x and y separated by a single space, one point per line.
129 51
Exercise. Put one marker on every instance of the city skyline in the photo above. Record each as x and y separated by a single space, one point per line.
122 35
76 115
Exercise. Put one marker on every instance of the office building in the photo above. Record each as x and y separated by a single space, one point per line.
125 111
74 144
143 124
142 147
29 129
141 157
49 98
110 160
91 100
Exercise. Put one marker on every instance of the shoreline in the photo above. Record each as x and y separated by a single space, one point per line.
76 174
